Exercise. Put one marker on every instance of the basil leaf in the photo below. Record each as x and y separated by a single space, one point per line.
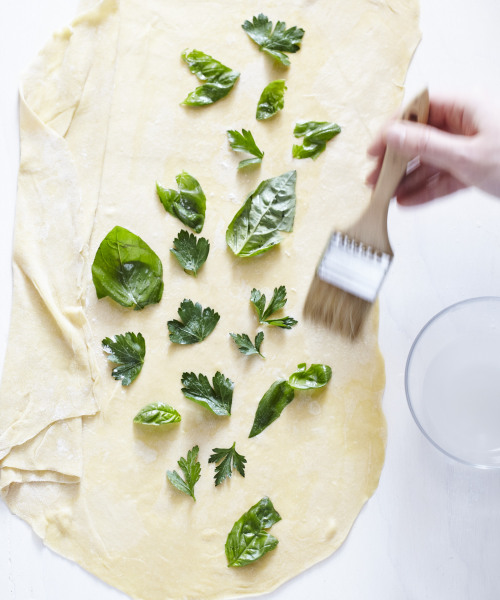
191 469
269 210
190 252
217 399
315 134
219 78
276 42
195 325
244 142
228 460
316 376
188 204
271 405
127 270
271 100
248 541
278 301
245 345
157 414
127 351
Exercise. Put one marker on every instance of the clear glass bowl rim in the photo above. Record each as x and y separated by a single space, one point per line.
430 323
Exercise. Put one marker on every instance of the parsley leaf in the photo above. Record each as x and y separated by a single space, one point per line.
271 405
190 252
244 142
195 325
217 399
245 345
276 42
219 78
127 270
316 376
157 414
315 134
269 210
271 100
277 301
127 351
248 540
191 469
188 204
228 460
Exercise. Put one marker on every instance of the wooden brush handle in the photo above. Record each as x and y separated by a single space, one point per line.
371 229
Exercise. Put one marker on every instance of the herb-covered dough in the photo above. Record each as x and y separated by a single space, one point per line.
101 123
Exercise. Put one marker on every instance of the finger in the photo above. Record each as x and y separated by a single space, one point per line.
445 151
439 185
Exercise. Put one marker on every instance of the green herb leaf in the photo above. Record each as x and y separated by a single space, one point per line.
190 252
127 270
248 541
127 351
271 100
245 345
244 142
217 399
278 301
230 460
195 325
269 210
191 469
315 134
276 42
316 376
219 78
188 204
157 414
271 405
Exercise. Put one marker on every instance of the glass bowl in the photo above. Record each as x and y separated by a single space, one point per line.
452 381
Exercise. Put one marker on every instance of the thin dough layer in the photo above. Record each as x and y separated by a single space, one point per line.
100 123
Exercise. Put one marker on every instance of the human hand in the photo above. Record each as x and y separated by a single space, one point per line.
458 148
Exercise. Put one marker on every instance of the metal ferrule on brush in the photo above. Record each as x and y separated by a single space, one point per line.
353 267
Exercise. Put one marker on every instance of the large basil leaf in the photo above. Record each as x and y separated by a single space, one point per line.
188 204
219 78
127 270
269 210
271 405
316 376
248 541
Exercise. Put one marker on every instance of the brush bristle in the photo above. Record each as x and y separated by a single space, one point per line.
335 308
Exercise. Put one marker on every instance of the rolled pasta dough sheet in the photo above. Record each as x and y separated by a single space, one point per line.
100 123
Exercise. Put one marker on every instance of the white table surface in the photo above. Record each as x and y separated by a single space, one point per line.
432 529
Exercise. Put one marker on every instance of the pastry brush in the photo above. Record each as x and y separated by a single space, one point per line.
355 262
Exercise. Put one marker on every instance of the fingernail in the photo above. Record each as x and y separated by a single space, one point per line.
396 135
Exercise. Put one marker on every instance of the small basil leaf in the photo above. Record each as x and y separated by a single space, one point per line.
271 100
316 376
219 78
188 204
271 405
157 414
269 210
315 134
127 270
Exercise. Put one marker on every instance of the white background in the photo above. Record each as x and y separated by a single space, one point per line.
432 529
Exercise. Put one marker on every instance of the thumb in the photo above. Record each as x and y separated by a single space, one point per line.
443 150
